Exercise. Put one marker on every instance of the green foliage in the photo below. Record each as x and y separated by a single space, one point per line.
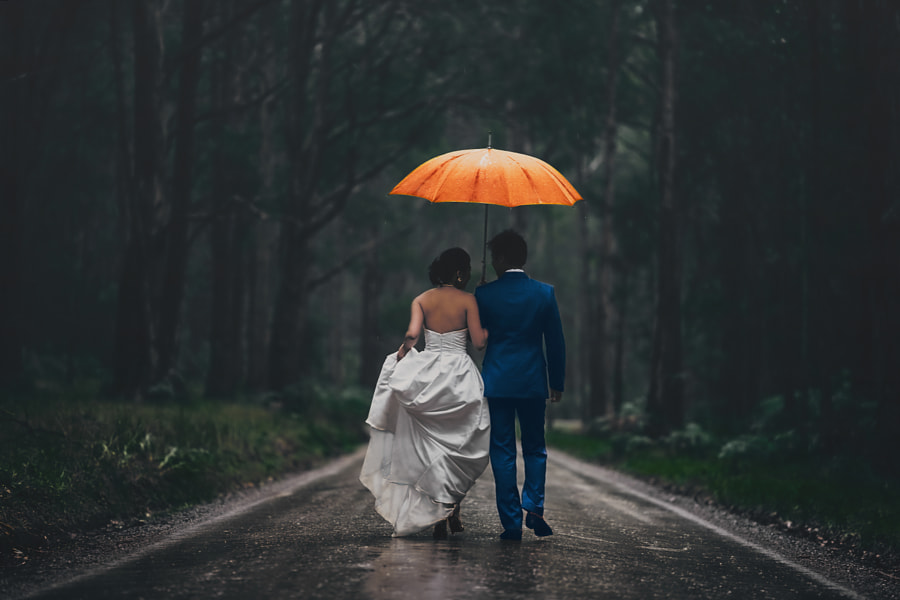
693 439
72 462
781 477
587 447
746 448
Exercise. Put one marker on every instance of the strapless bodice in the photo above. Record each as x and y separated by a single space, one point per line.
452 341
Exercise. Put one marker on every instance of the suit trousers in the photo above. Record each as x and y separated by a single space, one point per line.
530 413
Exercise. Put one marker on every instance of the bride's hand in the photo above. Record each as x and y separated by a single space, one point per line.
402 352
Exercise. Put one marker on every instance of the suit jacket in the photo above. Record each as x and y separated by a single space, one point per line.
521 316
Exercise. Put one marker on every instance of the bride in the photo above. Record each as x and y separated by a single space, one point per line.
429 421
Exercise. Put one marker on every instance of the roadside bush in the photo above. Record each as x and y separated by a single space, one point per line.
692 440
638 443
746 449
73 462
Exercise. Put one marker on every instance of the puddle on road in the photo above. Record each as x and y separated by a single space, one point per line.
409 568
471 566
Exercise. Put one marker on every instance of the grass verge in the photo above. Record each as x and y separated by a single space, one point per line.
71 462
834 500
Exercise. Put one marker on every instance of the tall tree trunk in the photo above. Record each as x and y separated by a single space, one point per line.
261 279
287 353
12 105
220 378
371 284
135 317
607 321
260 288
619 360
741 323
240 261
817 325
305 131
739 328
182 179
878 53
124 162
32 38
665 402
337 326
584 309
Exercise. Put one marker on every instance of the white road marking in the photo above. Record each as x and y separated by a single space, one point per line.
592 471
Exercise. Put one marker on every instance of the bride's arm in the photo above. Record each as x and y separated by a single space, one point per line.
473 321
416 320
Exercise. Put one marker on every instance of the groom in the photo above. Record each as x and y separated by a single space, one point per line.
522 316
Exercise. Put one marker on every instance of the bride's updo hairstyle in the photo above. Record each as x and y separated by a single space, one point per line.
444 268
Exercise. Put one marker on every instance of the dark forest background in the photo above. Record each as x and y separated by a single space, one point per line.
193 195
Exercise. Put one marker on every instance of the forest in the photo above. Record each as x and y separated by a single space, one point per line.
194 196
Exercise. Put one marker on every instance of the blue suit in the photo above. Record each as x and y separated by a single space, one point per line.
522 317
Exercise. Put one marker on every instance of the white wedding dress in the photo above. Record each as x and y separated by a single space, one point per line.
430 433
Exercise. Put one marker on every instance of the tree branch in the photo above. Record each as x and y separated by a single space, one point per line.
240 106
360 251
238 18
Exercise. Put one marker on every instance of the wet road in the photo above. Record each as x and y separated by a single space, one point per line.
318 536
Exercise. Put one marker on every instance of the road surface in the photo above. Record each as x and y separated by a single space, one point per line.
317 535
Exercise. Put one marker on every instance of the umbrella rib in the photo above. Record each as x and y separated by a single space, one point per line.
446 170
531 179
444 173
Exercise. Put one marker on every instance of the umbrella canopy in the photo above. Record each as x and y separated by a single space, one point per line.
488 176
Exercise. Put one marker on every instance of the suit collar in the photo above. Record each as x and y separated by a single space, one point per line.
514 275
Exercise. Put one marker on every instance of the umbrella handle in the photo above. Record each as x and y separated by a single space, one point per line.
484 247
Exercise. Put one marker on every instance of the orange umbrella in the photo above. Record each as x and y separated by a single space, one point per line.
488 176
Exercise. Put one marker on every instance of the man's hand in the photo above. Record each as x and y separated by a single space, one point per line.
555 396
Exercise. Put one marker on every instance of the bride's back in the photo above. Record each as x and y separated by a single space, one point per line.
445 309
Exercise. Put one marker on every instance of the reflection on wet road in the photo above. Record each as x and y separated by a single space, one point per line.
419 569
321 538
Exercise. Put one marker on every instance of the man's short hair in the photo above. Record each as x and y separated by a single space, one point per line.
510 246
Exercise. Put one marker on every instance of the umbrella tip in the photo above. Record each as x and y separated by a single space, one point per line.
490 133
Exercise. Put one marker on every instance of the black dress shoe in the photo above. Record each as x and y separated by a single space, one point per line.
537 522
511 535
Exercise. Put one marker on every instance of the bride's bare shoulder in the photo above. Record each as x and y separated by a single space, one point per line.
444 294
462 296
428 297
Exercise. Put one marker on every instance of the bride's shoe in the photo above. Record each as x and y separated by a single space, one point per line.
440 530
455 522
